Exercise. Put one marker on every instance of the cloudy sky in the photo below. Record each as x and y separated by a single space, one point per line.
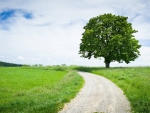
48 32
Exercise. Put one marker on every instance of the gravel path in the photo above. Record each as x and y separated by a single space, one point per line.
98 95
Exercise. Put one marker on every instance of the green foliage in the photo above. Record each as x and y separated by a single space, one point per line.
110 37
54 67
28 90
134 81
6 64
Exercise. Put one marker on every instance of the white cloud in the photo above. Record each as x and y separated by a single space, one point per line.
53 35
145 56
20 57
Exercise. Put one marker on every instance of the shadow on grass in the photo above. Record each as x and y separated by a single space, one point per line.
90 69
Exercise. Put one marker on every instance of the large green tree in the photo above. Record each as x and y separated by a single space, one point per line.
111 37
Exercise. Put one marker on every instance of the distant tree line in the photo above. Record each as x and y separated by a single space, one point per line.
6 64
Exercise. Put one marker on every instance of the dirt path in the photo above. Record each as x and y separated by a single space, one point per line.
98 95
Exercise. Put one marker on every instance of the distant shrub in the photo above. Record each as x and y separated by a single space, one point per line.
59 68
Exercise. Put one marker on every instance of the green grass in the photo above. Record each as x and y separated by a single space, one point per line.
134 81
25 90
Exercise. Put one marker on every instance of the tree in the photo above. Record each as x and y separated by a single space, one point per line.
111 37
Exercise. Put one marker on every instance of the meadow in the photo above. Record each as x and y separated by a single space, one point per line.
40 90
134 81
47 89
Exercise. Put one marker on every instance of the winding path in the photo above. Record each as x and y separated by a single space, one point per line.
98 95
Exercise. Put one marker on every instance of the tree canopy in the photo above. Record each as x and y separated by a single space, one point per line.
6 64
111 37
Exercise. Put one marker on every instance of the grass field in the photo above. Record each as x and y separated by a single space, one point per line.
45 90
134 81
25 90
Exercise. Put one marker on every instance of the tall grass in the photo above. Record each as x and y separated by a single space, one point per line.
36 90
134 81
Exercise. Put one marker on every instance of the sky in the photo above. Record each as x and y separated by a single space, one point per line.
49 32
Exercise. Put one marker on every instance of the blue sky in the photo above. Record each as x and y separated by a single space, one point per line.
48 32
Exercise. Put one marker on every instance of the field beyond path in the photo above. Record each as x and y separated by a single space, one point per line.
98 95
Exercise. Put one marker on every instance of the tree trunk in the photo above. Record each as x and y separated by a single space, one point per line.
107 64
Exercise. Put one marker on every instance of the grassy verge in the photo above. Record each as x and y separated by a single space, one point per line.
36 90
134 81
